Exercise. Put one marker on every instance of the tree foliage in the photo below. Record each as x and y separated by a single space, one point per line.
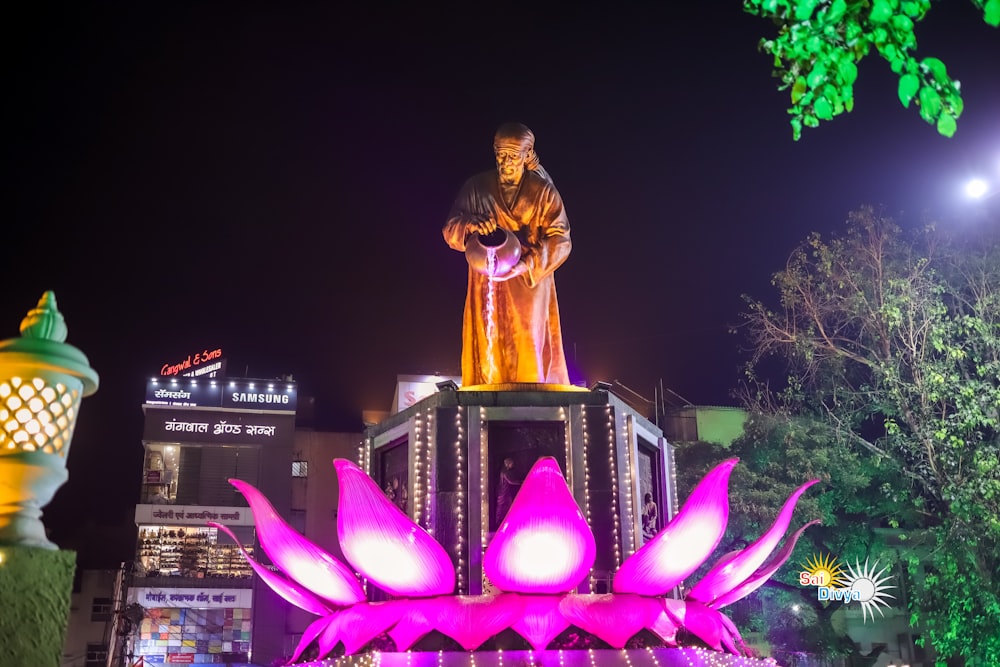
778 453
893 342
821 42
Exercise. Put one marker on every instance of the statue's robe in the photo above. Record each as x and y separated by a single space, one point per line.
527 344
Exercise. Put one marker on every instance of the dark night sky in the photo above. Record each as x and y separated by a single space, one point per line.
272 180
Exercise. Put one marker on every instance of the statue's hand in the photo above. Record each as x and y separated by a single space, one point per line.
481 224
515 271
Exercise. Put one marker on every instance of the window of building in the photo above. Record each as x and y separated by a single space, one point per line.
100 609
97 655
300 468
189 474
192 551
159 474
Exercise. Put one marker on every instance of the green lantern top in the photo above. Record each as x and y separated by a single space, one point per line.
42 347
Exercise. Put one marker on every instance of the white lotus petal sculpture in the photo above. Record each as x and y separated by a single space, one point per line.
295 593
298 557
535 551
540 621
733 571
685 542
384 544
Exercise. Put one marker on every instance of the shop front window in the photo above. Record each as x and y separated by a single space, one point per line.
180 635
190 551
159 474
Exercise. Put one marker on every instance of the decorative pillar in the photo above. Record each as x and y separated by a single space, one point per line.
42 381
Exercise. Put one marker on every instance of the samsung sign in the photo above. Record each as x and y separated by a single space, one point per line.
271 395
248 398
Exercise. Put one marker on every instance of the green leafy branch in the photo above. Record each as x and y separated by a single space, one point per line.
821 42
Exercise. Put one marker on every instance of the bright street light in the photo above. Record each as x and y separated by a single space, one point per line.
977 188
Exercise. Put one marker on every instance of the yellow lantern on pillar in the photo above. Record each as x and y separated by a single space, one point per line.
42 381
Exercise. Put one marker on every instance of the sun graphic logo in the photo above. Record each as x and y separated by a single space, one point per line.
822 570
866 585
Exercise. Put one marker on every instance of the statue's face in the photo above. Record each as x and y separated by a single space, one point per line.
510 162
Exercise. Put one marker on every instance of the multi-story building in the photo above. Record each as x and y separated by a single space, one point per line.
199 601
91 612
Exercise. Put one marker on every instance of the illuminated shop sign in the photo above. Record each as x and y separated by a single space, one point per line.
216 426
239 394
202 598
258 395
411 389
191 515
184 393
194 364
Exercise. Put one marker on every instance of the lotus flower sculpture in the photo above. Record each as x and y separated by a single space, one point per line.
541 553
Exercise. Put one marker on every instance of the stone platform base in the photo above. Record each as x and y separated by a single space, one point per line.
35 589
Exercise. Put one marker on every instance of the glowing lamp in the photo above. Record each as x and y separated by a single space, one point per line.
42 381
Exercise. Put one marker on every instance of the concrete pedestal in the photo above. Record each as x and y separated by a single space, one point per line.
35 589
446 452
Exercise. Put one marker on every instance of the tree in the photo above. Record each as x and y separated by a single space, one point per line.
821 42
893 342
779 452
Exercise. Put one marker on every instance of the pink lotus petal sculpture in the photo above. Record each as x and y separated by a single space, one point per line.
664 626
472 619
418 618
541 621
298 557
542 550
361 623
330 636
735 642
734 570
761 576
613 618
315 629
538 550
290 590
384 544
704 623
684 543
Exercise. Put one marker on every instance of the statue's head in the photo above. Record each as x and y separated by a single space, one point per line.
514 148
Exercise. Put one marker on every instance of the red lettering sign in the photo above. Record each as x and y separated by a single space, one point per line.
195 359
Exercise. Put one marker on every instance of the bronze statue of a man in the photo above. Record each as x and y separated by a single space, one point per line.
511 331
